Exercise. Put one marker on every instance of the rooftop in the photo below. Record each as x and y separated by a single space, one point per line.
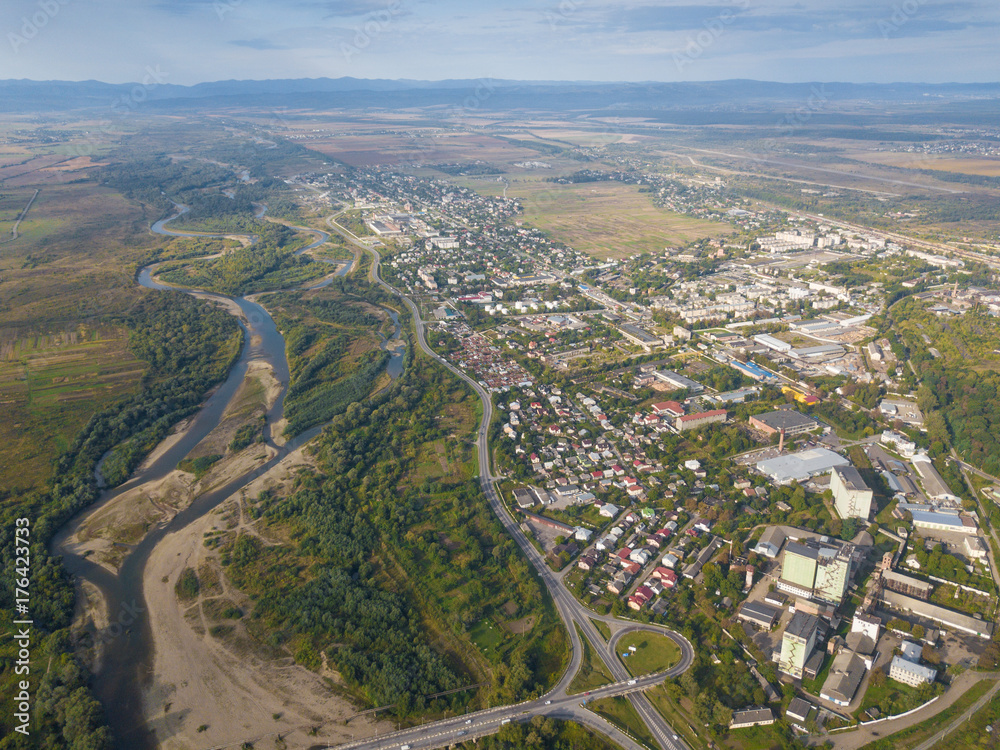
851 478
785 419
802 625
802 465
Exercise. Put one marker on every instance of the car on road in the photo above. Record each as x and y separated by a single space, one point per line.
631 682
548 703
468 721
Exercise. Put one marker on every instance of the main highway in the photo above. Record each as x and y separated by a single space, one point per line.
557 702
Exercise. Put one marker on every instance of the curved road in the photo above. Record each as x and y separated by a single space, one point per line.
572 612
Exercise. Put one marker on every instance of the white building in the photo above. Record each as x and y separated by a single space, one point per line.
852 497
911 673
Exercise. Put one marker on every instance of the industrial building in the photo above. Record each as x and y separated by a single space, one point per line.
692 421
678 382
734 397
770 542
773 343
938 519
797 643
787 420
908 585
760 615
934 485
801 466
941 615
846 674
852 497
816 570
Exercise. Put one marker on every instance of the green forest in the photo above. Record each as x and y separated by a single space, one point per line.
960 391
378 554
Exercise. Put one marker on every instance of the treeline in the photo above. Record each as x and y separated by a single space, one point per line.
542 733
157 180
189 346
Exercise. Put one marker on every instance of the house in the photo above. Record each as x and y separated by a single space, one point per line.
607 543
582 535
587 562
799 710
670 560
641 556
656 540
609 511
751 717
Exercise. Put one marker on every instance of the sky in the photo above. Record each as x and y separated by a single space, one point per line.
190 41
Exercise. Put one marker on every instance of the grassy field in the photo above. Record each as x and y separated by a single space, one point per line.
593 673
621 713
915 735
653 653
49 387
895 698
603 629
607 219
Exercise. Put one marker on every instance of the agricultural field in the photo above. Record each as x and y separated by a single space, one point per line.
49 387
607 219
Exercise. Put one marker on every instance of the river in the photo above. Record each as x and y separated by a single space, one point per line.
127 662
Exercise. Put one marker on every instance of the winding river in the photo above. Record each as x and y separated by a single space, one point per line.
127 660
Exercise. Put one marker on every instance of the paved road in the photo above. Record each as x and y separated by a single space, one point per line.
572 612
960 720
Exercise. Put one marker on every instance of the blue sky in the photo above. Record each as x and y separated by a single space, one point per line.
188 41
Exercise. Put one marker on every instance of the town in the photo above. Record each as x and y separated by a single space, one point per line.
746 441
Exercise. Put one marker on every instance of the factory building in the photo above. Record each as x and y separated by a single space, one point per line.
852 497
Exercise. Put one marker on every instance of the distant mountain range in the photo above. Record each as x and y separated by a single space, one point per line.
624 99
